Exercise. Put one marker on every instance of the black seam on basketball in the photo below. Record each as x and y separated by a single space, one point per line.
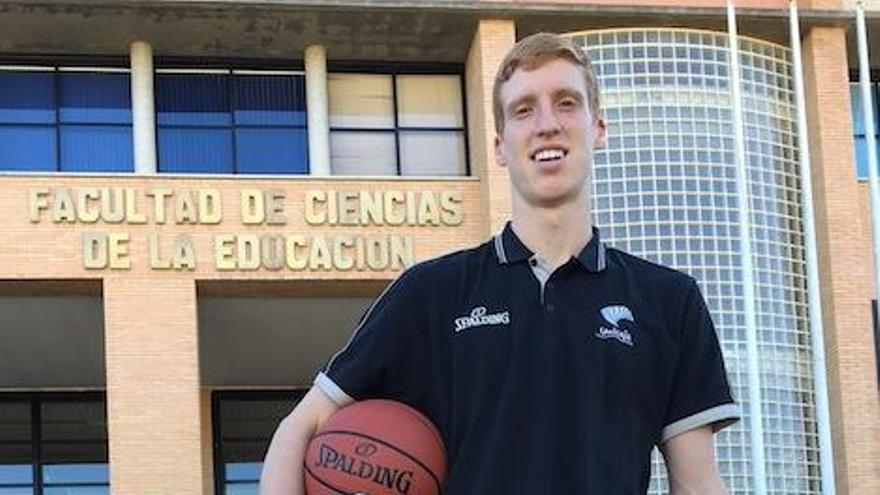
319 480
426 468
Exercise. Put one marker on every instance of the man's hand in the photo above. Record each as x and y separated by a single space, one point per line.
690 462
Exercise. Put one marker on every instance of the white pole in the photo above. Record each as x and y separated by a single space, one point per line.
817 334
143 113
870 133
317 110
756 426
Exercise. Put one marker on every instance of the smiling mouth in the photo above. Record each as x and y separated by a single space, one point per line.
549 155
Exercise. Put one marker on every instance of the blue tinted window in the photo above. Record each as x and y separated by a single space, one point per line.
76 490
99 104
27 97
25 147
270 100
225 123
94 98
192 100
857 114
271 151
106 148
16 474
195 150
243 471
861 143
76 473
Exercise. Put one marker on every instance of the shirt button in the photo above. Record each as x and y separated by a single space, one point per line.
533 262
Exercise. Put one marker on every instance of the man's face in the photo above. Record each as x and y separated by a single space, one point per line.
549 134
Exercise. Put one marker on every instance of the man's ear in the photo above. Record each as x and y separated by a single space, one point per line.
499 154
601 134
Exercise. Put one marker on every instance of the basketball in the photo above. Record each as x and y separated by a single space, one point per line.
375 447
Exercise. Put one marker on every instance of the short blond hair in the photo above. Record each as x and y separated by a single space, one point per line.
534 51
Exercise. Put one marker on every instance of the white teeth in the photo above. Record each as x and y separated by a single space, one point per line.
554 154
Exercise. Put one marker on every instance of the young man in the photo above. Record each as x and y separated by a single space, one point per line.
549 363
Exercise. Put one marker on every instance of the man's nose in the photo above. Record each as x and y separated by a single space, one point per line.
547 122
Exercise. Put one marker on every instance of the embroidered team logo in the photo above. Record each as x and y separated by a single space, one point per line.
615 315
479 318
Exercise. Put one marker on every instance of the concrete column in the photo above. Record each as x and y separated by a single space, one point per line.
491 42
143 109
155 411
317 108
845 265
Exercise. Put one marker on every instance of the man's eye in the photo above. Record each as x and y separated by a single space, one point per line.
567 103
522 111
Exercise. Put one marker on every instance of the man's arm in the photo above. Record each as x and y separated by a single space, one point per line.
282 469
690 462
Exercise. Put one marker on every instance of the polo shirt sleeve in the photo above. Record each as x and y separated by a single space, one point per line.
700 392
385 354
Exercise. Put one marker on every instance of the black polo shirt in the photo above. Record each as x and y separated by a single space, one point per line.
541 383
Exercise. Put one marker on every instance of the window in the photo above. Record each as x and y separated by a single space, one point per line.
876 322
397 124
245 122
859 133
66 119
243 426
53 444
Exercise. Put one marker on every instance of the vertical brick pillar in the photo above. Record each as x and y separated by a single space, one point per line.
845 264
154 406
491 42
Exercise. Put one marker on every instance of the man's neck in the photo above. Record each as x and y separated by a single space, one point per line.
555 234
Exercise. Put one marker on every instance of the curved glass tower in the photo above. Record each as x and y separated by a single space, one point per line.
665 189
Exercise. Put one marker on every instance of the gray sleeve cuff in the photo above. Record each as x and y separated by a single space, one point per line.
719 417
332 390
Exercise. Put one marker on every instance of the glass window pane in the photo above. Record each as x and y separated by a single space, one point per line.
76 490
269 100
195 150
16 454
861 155
856 107
76 473
429 101
242 489
247 425
271 151
360 101
103 148
27 97
432 153
237 471
94 98
15 474
16 491
27 147
74 433
362 153
192 99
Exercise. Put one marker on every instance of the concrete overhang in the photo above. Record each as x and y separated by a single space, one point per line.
377 30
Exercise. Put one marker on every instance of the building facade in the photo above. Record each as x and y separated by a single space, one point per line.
200 198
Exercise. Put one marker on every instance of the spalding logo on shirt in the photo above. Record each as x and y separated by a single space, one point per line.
479 318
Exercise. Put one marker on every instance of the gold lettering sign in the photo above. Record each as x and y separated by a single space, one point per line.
270 250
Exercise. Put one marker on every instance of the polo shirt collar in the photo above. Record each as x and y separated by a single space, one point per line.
509 249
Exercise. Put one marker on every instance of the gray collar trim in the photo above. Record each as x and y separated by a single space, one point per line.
499 249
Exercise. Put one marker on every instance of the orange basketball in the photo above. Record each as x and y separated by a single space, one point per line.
376 447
